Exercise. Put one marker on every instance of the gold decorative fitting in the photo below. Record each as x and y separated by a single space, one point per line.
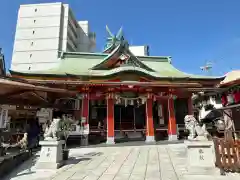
110 96
110 89
85 88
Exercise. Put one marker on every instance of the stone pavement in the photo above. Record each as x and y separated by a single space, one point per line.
150 162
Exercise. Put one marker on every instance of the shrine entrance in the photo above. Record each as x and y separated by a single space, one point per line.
129 122
130 117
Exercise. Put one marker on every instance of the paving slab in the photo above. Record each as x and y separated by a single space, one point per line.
122 177
148 162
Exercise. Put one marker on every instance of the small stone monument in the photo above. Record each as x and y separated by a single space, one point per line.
201 157
200 151
51 156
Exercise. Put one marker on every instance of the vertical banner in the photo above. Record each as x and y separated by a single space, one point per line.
3 118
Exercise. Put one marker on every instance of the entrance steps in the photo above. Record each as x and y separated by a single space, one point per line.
128 135
134 135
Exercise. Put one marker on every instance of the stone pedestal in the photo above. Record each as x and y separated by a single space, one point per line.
150 139
201 158
110 140
51 156
84 140
172 137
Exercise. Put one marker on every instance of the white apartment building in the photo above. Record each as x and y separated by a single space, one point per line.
140 50
43 31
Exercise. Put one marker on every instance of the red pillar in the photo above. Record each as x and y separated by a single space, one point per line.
190 106
172 126
85 116
149 120
110 119
85 108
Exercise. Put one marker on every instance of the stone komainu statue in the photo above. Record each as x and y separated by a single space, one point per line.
51 132
194 128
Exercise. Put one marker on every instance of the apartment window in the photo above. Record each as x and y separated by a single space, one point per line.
30 55
31 43
34 21
36 10
33 32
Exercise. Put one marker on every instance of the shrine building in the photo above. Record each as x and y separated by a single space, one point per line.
124 95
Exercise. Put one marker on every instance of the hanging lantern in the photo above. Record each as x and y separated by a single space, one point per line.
132 102
224 100
230 99
121 101
143 100
236 96
154 98
125 102
116 96
118 101
138 103
149 96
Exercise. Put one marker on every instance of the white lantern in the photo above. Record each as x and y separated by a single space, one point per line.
132 102
125 102
230 99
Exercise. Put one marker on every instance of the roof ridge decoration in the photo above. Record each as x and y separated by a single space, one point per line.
119 54
113 40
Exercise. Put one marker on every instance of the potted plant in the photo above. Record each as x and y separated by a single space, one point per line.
66 128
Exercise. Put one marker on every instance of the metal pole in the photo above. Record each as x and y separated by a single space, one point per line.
120 122
134 118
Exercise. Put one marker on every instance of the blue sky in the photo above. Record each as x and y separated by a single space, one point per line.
192 32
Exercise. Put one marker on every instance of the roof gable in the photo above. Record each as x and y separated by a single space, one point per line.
120 56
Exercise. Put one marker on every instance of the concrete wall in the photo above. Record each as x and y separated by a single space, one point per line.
85 43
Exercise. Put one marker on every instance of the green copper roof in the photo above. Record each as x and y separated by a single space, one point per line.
80 64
